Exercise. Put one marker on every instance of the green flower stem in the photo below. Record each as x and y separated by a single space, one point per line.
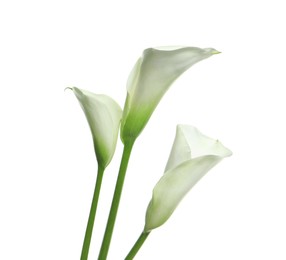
88 232
115 202
140 241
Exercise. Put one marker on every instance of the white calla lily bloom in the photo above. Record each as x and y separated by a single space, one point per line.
192 156
150 78
103 115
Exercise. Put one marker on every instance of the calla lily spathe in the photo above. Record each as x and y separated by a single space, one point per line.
103 115
150 78
192 156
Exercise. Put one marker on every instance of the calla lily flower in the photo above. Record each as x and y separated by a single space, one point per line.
192 156
152 75
103 115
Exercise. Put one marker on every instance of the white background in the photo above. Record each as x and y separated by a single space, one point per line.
48 168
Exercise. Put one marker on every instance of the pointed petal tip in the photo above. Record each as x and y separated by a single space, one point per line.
216 52
212 51
225 151
70 88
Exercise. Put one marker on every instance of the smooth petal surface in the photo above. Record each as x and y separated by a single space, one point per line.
150 78
103 115
191 143
192 156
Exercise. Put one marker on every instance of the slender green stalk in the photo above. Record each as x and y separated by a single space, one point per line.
92 213
140 241
115 202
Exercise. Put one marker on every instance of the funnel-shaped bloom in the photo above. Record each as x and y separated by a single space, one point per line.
103 115
150 78
192 156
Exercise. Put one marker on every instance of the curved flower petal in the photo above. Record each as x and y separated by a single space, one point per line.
103 115
150 78
191 143
199 154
